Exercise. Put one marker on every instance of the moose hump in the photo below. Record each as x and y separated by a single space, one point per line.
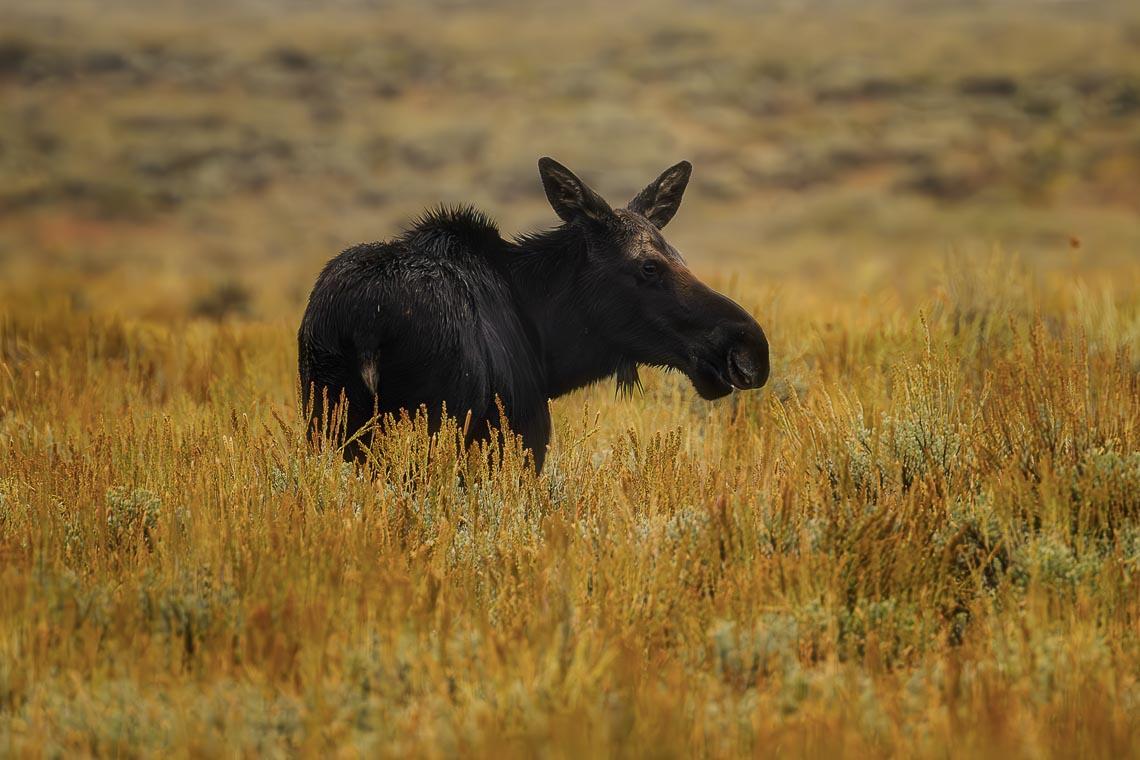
451 313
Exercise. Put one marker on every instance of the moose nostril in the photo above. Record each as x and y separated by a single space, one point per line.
739 368
748 368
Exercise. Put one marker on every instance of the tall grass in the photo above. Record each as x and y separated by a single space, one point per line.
921 540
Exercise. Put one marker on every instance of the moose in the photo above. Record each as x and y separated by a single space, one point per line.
451 314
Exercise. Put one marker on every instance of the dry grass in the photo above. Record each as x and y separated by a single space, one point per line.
922 539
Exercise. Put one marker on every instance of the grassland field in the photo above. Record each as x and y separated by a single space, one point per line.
921 539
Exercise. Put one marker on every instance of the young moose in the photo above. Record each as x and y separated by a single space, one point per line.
450 312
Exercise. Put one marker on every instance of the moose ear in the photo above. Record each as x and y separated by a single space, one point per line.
571 198
659 201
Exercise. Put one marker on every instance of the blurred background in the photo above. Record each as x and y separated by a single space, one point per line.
203 160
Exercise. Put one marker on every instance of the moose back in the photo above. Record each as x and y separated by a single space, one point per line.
452 313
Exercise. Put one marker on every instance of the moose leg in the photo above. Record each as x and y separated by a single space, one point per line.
536 436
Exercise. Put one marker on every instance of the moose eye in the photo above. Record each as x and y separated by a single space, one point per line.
650 269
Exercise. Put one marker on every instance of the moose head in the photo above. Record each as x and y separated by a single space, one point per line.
634 290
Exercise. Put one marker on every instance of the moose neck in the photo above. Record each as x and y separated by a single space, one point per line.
542 271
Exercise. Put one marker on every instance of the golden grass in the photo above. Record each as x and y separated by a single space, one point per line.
921 540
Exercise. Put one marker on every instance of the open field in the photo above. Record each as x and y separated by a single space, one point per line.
921 539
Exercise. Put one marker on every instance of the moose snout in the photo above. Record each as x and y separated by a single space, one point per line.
748 365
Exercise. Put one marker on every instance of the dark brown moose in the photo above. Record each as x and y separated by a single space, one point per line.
450 312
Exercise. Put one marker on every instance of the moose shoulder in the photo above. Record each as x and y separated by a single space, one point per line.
451 313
